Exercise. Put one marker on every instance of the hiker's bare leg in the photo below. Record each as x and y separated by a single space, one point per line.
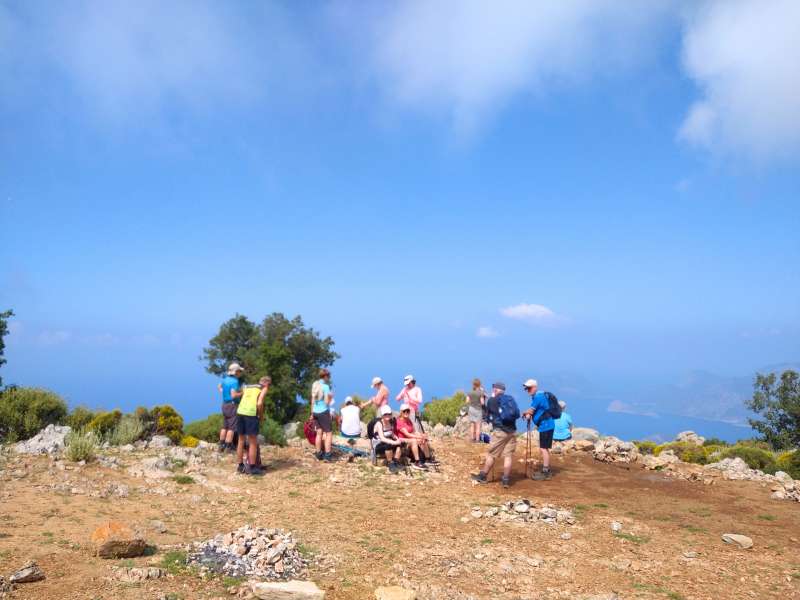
488 463
222 435
328 441
545 458
398 452
388 456
318 440
240 449
415 450
229 436
507 462
252 451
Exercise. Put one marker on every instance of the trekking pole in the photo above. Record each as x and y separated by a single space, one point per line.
528 449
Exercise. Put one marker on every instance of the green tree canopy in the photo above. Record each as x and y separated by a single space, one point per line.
4 317
778 403
284 349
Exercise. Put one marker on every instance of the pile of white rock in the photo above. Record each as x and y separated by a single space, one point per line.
612 449
527 511
783 487
259 553
50 440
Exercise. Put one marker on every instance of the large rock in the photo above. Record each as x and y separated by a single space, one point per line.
740 540
690 436
50 440
394 592
292 430
584 433
117 540
667 457
288 590
159 441
28 574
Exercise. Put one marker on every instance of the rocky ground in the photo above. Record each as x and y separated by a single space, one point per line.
601 528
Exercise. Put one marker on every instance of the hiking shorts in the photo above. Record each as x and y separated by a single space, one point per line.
229 415
382 447
247 425
502 444
474 414
323 421
546 439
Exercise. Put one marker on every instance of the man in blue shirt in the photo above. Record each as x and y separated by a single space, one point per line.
231 389
538 412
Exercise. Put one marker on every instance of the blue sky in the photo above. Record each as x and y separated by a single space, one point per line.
550 188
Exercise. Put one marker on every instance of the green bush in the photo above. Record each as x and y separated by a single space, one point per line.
130 429
272 432
25 411
715 442
646 446
146 417
789 462
713 452
81 445
80 417
755 457
444 410
206 429
105 422
167 421
685 451
751 443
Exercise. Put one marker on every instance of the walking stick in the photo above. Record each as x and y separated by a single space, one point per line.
528 450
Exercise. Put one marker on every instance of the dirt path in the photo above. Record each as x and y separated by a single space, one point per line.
363 528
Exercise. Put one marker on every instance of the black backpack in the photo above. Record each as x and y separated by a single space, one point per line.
371 427
553 410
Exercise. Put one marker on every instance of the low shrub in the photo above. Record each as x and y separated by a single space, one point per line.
80 417
368 411
755 457
146 417
646 446
167 421
25 411
789 462
714 452
751 443
272 432
685 451
715 442
81 445
444 410
206 429
130 429
189 441
105 422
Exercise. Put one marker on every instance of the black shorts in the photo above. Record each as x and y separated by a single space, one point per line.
247 425
323 420
382 447
546 439
229 415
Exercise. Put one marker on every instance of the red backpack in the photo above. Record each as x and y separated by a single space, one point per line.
310 431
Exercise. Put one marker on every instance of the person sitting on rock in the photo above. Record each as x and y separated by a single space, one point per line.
249 415
417 442
563 425
386 442
350 420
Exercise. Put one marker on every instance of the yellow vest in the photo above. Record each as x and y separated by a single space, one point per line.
249 403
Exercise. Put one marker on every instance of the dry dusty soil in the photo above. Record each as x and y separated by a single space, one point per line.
362 528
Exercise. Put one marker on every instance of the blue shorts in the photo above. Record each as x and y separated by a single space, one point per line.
247 425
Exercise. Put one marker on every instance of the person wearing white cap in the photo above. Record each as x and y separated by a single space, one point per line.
417 442
381 396
350 427
411 395
543 414
386 441
231 389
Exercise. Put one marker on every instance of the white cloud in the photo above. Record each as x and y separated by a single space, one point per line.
487 332
532 313
743 55
53 337
467 58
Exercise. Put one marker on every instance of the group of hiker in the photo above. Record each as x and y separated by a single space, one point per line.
391 437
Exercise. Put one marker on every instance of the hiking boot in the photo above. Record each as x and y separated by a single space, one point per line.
505 482
221 446
479 477
417 466
256 471
319 455
240 468
432 461
394 468
327 457
542 476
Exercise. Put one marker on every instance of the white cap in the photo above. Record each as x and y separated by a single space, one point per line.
376 381
408 379
386 410
530 383
348 399
234 368
562 404
404 407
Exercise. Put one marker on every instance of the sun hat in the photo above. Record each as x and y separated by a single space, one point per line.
408 379
386 410
499 386
404 407
530 383
348 400
376 381
234 368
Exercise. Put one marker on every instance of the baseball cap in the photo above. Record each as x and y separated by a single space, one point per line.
530 383
499 386
348 400
386 410
233 368
404 407
376 381
408 379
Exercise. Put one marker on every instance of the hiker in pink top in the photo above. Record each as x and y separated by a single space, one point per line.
411 395
381 397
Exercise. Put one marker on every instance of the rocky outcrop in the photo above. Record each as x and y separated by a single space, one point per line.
667 457
50 440
612 449
691 437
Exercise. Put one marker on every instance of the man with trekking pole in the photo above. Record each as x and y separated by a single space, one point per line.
541 413
502 413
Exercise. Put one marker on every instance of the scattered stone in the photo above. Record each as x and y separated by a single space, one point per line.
251 552
158 526
612 449
742 541
667 457
690 436
50 440
690 554
522 506
566 536
616 526
137 574
621 563
476 513
6 587
28 574
127 448
288 590
117 540
525 510
394 592
159 441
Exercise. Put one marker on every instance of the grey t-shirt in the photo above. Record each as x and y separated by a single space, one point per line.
475 399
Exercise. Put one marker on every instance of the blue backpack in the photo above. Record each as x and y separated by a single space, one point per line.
507 409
